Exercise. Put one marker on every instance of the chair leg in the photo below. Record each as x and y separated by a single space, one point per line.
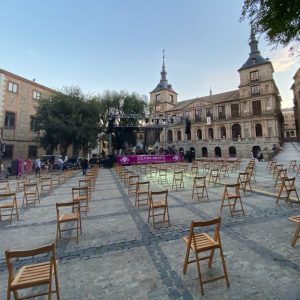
168 215
222 204
211 257
224 266
296 235
199 273
186 260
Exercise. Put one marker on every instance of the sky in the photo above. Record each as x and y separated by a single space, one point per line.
103 45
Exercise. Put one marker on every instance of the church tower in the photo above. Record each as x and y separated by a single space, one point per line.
163 97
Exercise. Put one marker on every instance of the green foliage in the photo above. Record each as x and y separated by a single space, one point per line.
278 19
66 118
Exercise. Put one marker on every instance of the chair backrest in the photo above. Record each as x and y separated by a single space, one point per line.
233 188
199 180
290 183
4 186
143 187
133 179
161 196
80 191
201 224
8 196
62 205
30 187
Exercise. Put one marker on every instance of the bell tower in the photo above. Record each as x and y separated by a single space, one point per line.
163 97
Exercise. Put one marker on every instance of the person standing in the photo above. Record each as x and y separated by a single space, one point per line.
37 166
84 166
60 164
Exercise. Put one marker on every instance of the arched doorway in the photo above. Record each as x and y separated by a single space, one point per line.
192 153
236 131
181 151
179 135
218 152
170 136
223 132
255 150
232 151
258 130
204 152
199 134
210 133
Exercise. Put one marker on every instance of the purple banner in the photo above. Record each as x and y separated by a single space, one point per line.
148 159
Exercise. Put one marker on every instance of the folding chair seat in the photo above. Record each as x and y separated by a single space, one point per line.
8 203
32 275
199 187
86 183
293 165
4 186
31 194
244 181
202 242
286 189
178 180
142 193
46 185
72 215
214 177
81 194
232 193
158 206
296 234
132 184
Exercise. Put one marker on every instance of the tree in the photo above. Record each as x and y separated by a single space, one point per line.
278 19
66 118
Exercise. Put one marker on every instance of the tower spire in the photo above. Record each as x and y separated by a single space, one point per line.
253 43
163 72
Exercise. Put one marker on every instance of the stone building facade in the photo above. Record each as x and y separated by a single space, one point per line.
226 124
289 126
296 91
18 98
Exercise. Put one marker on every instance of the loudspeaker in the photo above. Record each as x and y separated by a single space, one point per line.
187 126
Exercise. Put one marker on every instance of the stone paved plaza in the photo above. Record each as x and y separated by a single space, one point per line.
121 256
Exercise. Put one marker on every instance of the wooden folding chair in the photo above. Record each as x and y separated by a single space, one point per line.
71 216
194 171
92 178
199 187
232 193
244 181
178 180
31 194
224 170
214 177
8 203
132 184
158 206
142 193
86 183
286 189
296 234
81 194
32 275
206 167
46 184
202 242
4 186
281 175
293 165
163 175
20 182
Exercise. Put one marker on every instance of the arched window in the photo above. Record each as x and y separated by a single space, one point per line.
199 134
232 151
258 130
188 136
170 136
236 131
223 132
204 152
179 135
218 152
210 133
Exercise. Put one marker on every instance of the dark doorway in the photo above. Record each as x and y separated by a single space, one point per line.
204 152
192 153
255 150
232 151
218 152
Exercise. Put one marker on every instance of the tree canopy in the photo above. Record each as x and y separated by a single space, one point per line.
278 19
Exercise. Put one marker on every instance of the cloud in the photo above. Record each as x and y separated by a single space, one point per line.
282 60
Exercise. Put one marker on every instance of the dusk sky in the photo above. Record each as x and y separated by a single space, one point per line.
117 45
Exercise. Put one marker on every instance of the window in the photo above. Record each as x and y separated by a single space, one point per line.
9 150
170 136
199 134
254 76
198 115
255 90
236 131
36 95
210 133
235 110
171 98
32 152
157 108
256 108
258 130
179 135
270 131
157 97
33 123
10 119
221 112
209 113
223 132
12 87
